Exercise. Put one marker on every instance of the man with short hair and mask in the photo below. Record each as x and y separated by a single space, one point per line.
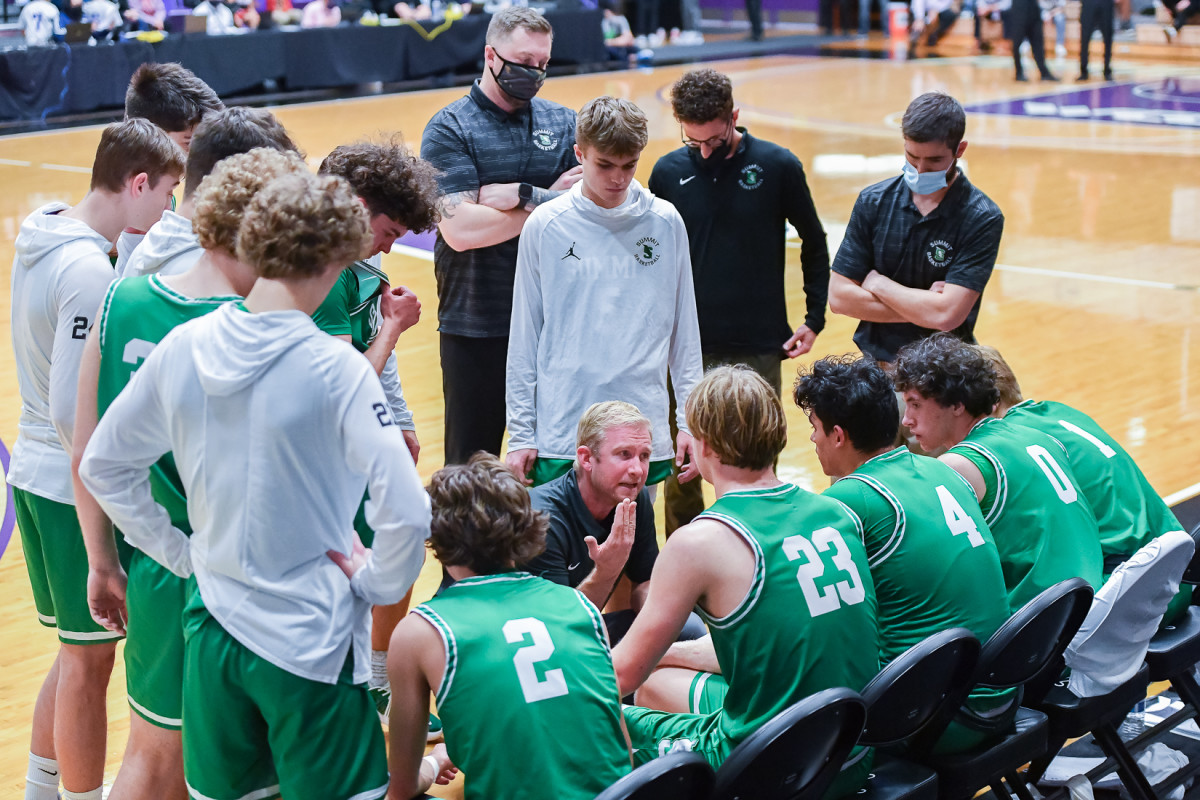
920 247
500 152
736 194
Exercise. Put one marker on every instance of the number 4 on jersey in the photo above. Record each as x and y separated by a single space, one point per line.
957 519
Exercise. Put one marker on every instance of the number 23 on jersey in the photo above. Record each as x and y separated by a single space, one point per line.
843 587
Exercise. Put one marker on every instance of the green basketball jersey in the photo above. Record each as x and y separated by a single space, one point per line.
352 306
808 621
352 309
1041 522
933 561
1128 510
931 555
529 697
137 313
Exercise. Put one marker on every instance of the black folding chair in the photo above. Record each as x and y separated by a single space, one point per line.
1096 706
922 686
1018 651
798 753
675 776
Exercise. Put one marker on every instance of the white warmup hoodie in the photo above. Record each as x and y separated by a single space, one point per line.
603 304
59 276
170 247
276 429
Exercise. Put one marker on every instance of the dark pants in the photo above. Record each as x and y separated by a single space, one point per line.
1180 18
647 17
754 14
944 22
825 14
1096 15
473 386
1027 24
683 501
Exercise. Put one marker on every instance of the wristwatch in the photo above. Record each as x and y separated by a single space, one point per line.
525 192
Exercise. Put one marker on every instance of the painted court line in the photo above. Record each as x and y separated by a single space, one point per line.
67 168
1182 494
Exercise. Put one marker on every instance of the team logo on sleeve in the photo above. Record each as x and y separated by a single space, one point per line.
939 253
545 139
751 177
648 251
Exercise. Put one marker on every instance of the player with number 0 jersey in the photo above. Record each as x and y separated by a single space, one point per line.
1042 524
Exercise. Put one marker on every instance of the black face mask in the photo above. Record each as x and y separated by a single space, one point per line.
519 81
716 156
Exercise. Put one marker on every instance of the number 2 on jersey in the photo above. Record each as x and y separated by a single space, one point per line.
822 601
540 648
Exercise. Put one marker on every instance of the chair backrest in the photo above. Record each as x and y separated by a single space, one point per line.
1035 636
920 685
798 753
1112 641
1192 573
675 776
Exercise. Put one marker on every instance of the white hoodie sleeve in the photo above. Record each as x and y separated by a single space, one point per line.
132 435
525 331
78 295
683 358
398 510
390 379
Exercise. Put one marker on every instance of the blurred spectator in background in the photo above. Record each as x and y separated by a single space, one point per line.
146 15
105 17
1181 12
321 14
414 10
39 22
936 16
220 16
618 37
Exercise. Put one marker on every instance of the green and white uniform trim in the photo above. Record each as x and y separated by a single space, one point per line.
539 662
1128 510
934 564
136 315
806 623
1043 527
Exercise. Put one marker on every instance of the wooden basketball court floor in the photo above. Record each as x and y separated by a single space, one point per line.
1094 301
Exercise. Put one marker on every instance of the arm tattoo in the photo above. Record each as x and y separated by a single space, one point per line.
540 196
452 201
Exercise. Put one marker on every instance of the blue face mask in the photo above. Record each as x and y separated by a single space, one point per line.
925 182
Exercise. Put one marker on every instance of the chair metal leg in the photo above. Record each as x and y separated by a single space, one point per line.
1189 691
1017 783
1000 790
1038 767
1131 774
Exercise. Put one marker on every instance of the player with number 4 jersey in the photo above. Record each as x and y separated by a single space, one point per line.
780 576
932 556
1042 524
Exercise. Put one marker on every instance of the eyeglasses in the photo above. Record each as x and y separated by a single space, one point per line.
712 143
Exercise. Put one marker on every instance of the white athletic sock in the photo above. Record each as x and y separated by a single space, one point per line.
41 781
94 794
379 676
